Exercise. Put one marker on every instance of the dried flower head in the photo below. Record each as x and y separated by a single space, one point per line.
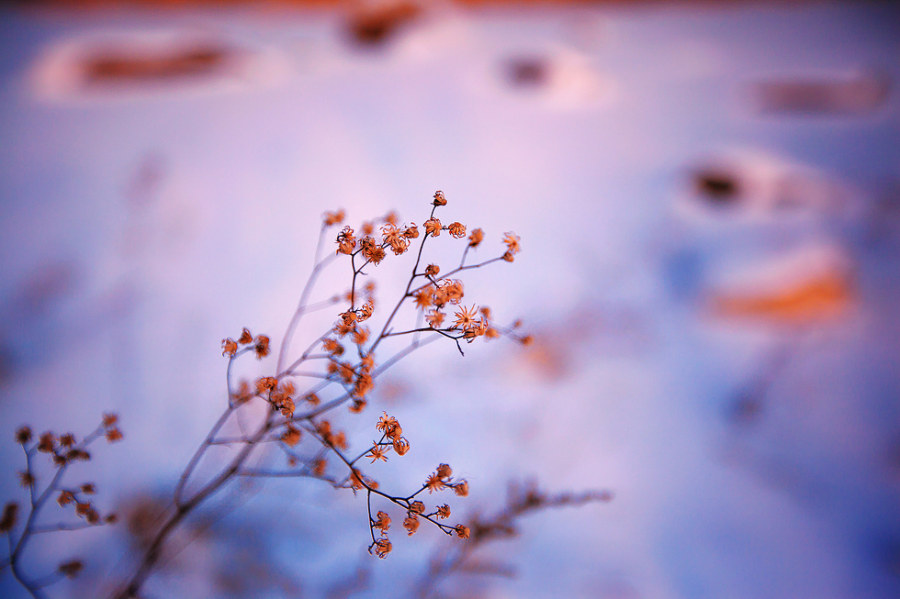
71 569
229 347
411 524
433 227
23 435
333 218
382 523
476 237
382 547
10 515
291 436
457 230
439 199
262 346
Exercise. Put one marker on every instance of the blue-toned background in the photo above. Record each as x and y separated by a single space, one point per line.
724 359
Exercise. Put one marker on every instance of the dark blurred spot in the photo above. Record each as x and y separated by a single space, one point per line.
375 25
860 94
718 187
129 65
746 409
528 71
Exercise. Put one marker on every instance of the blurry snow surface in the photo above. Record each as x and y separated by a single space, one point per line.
162 177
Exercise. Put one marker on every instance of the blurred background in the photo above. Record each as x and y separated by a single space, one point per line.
708 196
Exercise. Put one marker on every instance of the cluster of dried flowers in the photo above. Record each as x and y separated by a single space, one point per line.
348 353
62 451
297 434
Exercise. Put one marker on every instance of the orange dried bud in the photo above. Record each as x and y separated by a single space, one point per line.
512 243
287 407
411 524
439 199
47 442
444 471
377 453
71 569
401 446
110 419
10 515
443 511
365 311
65 498
319 467
82 508
79 454
360 335
508 257
358 405
465 318
434 483
457 230
23 435
312 398
67 440
364 384
433 227
435 319
262 346
246 337
333 346
291 436
476 237
383 523
346 241
424 296
266 383
432 270
229 347
333 218
461 488
368 228
527 340
462 531
113 435
88 488
376 255
417 507
389 426
382 547
392 236
111 518
411 232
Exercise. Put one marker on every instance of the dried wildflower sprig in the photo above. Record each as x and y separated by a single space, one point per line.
339 368
522 500
61 450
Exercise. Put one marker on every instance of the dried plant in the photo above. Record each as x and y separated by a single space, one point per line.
62 451
294 407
